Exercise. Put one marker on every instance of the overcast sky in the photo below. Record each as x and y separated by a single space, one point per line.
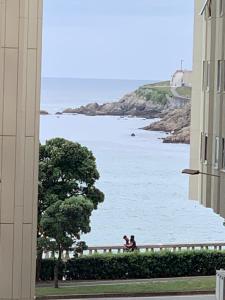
124 39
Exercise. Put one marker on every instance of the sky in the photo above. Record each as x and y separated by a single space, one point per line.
117 39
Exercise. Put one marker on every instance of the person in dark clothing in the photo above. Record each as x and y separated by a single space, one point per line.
126 241
132 244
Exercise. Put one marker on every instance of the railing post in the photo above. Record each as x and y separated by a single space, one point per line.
220 286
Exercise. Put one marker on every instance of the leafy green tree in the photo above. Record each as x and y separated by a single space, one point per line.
63 222
66 169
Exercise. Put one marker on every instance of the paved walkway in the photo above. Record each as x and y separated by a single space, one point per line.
203 297
178 96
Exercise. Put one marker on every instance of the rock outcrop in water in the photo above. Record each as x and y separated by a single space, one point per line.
174 121
129 105
43 112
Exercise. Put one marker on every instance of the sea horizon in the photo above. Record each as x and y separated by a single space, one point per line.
60 93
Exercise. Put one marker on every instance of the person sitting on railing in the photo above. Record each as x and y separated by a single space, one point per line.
126 242
132 245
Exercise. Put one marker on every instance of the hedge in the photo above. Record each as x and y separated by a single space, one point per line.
138 265
47 269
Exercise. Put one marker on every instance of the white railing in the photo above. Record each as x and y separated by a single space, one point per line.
143 248
220 285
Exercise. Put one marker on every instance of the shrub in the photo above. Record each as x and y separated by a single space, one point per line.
47 269
139 265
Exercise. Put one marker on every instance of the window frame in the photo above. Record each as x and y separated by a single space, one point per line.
209 9
223 154
208 76
217 152
206 148
221 7
219 75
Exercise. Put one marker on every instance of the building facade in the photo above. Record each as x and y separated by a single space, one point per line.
20 61
181 78
208 105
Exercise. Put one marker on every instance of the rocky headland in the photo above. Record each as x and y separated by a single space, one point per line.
149 101
129 105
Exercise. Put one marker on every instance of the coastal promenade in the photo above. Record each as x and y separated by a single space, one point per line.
219 246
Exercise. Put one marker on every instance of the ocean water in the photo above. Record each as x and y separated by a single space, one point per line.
58 93
145 192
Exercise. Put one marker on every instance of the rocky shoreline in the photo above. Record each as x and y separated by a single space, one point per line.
129 105
176 122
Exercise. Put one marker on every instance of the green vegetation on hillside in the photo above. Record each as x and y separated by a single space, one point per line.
155 92
184 91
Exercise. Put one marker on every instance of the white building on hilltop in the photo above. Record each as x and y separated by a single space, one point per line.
181 78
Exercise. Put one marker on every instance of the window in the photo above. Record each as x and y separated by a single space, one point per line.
209 9
201 146
219 75
206 75
206 148
221 7
223 71
217 151
223 153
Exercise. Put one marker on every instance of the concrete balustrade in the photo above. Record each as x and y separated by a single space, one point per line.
220 285
143 248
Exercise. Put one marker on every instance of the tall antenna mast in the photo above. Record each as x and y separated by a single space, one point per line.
181 64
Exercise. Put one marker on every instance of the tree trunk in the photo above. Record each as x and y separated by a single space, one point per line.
56 270
38 264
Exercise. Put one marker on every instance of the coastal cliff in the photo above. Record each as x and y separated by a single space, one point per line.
148 101
176 122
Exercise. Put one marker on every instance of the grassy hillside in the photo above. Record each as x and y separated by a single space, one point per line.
156 92
184 91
